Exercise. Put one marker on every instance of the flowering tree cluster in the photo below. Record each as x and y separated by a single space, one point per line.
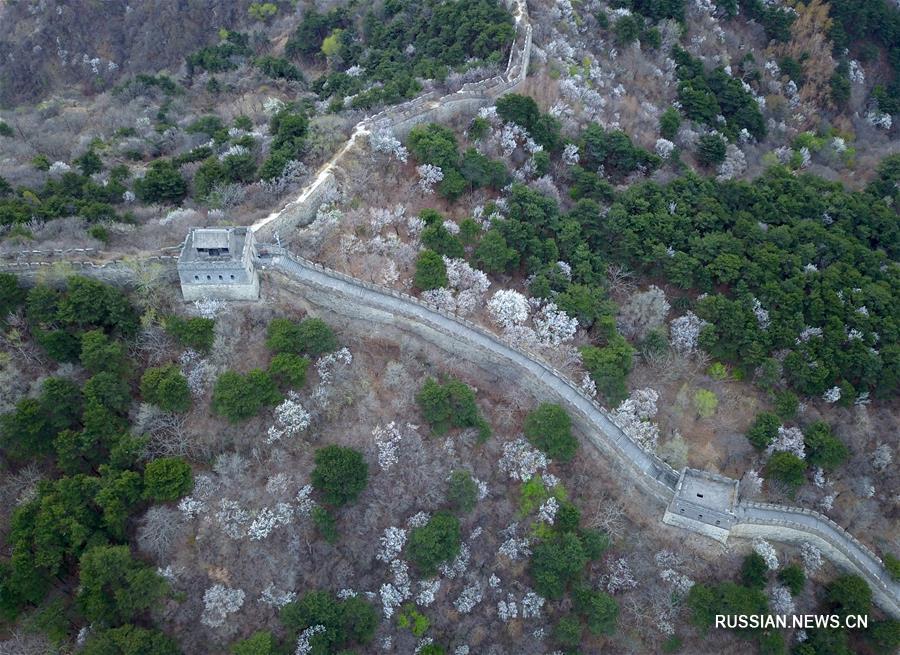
788 440
520 461
684 332
620 578
382 140
218 602
765 550
633 417
290 419
387 441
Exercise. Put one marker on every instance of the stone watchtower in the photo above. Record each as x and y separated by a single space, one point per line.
704 502
218 263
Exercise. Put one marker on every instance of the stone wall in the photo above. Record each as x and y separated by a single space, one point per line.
786 532
116 272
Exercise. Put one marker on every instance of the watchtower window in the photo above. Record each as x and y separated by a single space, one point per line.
220 277
196 277
232 277
208 277
699 495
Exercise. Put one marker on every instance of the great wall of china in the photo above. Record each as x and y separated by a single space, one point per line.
750 519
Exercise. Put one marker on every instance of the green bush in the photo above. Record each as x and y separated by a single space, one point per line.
434 543
311 336
669 122
600 610
462 491
892 564
289 370
555 563
109 391
567 632
792 577
764 430
167 479
705 402
238 397
259 643
823 448
754 571
340 474
113 587
549 428
710 150
609 366
5 129
100 353
849 594
447 405
167 388
431 272
786 468
411 619
130 640
162 184
325 524
786 404
346 622
194 332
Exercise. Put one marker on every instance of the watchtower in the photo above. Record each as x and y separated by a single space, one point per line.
218 263
704 502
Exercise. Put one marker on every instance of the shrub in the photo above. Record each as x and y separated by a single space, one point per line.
12 295
340 474
109 391
411 619
238 397
194 332
5 129
786 404
310 336
114 587
449 405
792 577
609 366
823 448
599 609
435 542
130 640
167 479
710 150
167 388
462 491
100 353
892 564
345 621
162 184
289 370
669 123
325 524
567 632
555 563
431 272
705 402
786 468
259 643
549 428
764 430
754 571
849 594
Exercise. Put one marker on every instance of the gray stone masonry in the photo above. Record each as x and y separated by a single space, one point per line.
218 263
